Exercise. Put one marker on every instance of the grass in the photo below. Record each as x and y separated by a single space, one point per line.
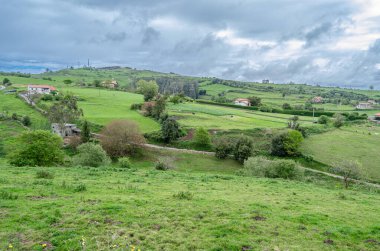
10 103
192 115
360 143
181 209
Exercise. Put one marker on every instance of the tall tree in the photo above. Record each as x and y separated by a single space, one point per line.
65 111
147 88
170 130
85 133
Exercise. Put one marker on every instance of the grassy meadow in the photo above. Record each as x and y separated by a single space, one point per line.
204 207
359 143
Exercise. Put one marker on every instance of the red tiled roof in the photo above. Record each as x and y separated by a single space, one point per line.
52 88
377 115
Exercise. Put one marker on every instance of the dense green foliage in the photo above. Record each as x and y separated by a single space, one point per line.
147 88
36 148
243 148
202 137
287 143
170 130
223 147
90 154
85 132
264 167
124 162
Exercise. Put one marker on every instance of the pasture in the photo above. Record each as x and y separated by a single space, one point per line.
192 115
205 208
359 143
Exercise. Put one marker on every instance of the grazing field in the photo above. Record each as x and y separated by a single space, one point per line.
224 118
349 143
80 208
10 103
102 106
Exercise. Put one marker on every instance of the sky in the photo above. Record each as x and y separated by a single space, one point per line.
331 42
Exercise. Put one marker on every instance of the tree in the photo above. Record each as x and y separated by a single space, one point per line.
6 81
293 123
148 89
159 107
223 147
339 120
92 155
255 101
85 133
170 130
26 121
286 106
36 148
287 144
96 83
243 149
349 170
65 111
202 137
121 138
323 120
67 81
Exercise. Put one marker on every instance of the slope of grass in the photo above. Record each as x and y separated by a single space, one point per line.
359 143
10 103
102 106
108 208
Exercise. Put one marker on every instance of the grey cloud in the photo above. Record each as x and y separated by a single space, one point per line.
150 35
116 37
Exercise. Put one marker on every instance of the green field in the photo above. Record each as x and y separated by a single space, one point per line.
194 115
348 143
201 207
102 106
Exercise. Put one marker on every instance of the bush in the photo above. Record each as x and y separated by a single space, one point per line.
124 162
223 147
202 137
164 164
121 138
137 106
349 170
170 130
92 155
42 174
323 120
287 144
339 120
36 148
26 121
243 149
263 167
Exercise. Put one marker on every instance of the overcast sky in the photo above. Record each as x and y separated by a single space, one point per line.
317 41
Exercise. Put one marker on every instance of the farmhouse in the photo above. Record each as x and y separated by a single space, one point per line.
110 84
317 100
377 117
364 105
65 131
40 89
242 102
372 102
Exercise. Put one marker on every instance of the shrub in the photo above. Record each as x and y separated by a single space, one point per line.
26 121
74 142
170 130
121 138
183 196
339 120
263 167
124 162
36 148
287 144
42 174
202 137
243 149
137 106
286 106
223 147
14 116
47 97
164 164
92 155
323 120
349 170
85 133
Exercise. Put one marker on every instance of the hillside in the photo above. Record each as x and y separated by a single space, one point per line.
204 208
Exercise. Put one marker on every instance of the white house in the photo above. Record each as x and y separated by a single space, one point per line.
364 105
242 102
40 89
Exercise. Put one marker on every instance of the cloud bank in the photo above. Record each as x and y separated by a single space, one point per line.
327 41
